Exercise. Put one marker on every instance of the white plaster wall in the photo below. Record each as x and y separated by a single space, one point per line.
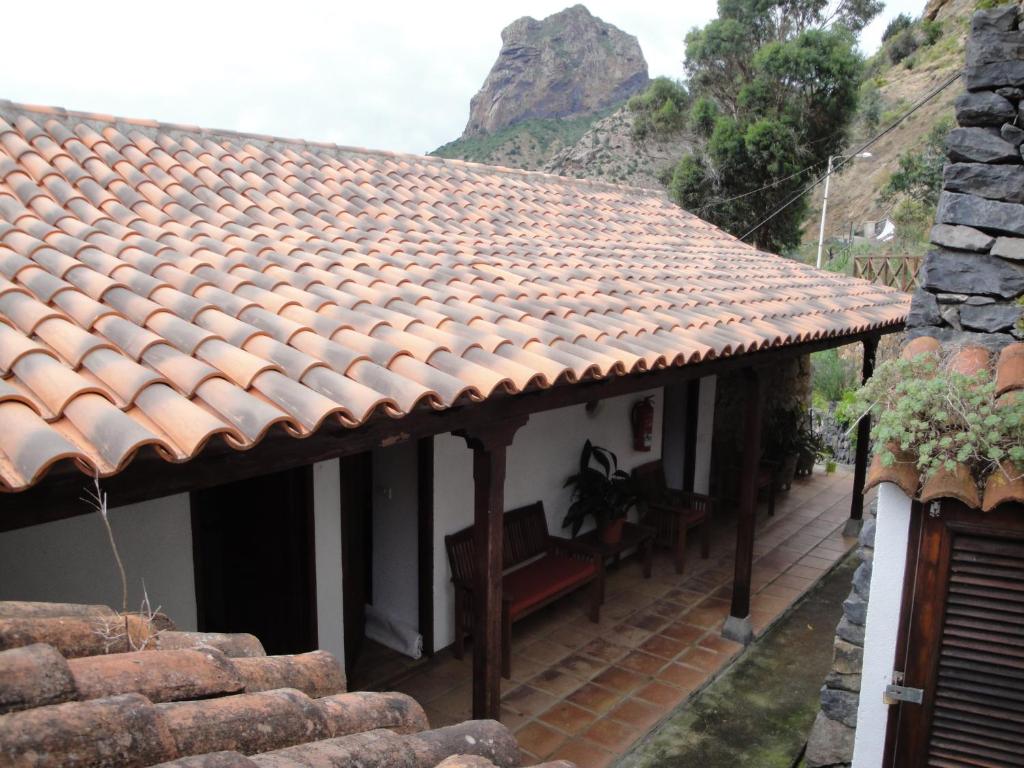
395 532
545 452
327 550
71 561
888 569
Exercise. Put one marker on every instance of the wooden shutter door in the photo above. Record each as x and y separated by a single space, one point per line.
965 642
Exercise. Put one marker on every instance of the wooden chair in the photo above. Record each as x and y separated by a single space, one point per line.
538 569
672 513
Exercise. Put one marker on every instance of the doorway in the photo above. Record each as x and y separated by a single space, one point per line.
254 561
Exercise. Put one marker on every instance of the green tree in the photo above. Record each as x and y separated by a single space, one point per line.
919 172
783 77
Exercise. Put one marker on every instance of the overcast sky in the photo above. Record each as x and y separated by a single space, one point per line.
385 75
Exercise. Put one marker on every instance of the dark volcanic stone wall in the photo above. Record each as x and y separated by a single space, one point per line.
973 280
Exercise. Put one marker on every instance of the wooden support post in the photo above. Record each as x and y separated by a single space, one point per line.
860 467
489 443
737 625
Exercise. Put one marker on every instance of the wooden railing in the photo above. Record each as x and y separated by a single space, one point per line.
899 272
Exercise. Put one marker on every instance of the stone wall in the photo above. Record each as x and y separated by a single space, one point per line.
831 740
973 280
785 385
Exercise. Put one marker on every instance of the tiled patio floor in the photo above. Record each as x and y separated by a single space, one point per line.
586 692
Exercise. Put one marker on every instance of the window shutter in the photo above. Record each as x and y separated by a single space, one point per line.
978 716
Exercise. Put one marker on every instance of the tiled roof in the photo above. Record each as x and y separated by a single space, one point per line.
162 286
202 706
959 484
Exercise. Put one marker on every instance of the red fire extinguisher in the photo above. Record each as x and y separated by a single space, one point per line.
642 419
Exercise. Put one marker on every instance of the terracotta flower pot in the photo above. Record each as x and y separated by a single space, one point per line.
612 532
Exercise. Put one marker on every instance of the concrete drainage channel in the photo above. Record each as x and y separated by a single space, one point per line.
759 710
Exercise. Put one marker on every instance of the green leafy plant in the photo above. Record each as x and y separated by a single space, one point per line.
896 25
832 375
927 412
600 489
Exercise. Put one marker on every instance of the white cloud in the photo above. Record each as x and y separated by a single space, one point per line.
394 75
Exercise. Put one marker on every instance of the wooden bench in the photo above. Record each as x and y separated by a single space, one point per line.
538 569
672 513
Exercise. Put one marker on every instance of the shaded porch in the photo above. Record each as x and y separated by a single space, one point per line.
585 691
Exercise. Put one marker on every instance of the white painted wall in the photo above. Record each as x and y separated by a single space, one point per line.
888 570
395 533
327 550
70 560
545 452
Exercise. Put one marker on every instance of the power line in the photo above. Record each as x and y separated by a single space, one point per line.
935 92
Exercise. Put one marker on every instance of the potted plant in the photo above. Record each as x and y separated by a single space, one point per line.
810 446
600 490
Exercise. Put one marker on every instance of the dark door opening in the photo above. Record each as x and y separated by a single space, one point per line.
356 550
254 559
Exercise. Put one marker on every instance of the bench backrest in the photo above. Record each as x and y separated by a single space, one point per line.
525 537
650 481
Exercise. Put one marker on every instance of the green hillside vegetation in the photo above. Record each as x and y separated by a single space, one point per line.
524 145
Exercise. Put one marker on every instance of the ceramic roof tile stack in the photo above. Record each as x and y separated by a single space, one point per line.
198 706
163 286
960 484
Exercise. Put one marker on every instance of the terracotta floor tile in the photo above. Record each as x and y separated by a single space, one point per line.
663 646
637 713
619 679
643 663
719 644
544 651
594 697
555 682
527 701
457 702
569 718
665 696
682 676
805 571
649 621
539 739
582 666
599 648
613 735
569 637
687 633
584 754
631 636
702 659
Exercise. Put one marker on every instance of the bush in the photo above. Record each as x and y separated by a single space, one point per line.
932 31
902 46
895 26
871 106
832 375
659 110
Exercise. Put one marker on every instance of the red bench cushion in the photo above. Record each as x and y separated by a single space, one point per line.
544 578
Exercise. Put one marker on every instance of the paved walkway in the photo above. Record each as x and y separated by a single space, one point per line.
587 692
759 712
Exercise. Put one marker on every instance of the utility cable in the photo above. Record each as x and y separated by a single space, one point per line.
845 159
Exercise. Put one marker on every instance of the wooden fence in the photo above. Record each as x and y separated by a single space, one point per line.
898 272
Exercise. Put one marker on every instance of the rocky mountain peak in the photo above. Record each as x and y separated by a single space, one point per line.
566 65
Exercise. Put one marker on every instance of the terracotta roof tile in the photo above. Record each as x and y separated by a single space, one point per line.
1003 485
269 281
181 702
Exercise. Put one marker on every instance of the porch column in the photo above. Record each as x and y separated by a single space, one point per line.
860 467
489 443
737 625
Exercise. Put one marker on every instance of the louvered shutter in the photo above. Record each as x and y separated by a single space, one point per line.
964 642
978 715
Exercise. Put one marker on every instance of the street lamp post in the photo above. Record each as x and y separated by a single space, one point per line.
824 202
